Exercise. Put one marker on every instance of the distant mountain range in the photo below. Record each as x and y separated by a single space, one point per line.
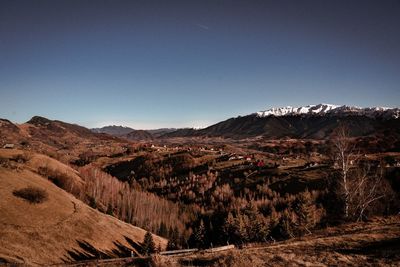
132 134
308 122
113 130
312 121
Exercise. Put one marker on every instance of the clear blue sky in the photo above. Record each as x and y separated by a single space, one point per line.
150 64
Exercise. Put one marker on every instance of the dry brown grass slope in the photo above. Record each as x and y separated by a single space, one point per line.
39 162
62 228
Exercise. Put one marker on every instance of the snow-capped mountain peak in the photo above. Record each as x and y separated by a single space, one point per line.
329 109
310 109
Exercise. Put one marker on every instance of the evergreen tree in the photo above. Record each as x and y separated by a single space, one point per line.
110 209
273 218
171 245
163 231
241 228
259 228
148 244
173 242
200 234
229 228
305 210
287 224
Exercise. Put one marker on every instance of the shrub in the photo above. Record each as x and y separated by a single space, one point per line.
24 143
21 158
58 178
34 195
4 162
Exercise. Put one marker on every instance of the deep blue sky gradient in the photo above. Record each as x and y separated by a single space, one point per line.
150 64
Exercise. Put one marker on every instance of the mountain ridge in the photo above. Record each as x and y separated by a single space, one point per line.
311 121
307 122
329 109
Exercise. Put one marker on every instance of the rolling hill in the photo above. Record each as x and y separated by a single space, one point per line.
132 134
61 228
64 141
139 135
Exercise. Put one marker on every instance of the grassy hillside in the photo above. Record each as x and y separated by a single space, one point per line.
61 228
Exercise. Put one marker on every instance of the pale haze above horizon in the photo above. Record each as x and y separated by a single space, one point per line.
172 64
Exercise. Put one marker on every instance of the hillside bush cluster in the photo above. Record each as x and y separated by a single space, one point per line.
32 194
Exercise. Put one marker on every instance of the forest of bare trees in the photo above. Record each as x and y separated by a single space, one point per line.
142 209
